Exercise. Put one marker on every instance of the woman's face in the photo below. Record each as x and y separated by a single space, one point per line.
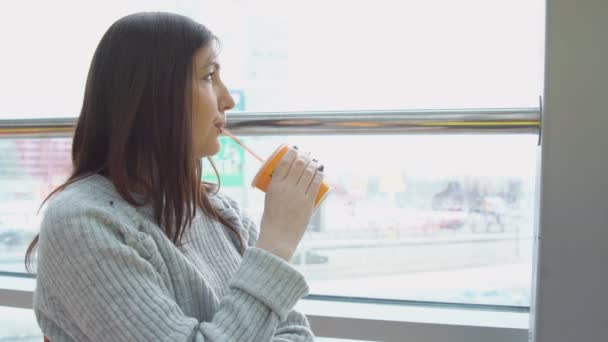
210 99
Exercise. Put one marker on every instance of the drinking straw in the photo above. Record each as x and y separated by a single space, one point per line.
243 145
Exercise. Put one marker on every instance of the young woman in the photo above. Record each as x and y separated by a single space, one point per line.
134 247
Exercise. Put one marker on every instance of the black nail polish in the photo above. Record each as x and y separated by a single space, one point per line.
321 168
295 147
314 160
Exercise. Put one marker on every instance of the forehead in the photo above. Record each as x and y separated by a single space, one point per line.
203 57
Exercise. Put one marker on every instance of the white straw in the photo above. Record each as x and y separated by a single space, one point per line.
242 145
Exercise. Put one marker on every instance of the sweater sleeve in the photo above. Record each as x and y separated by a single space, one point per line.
111 293
295 327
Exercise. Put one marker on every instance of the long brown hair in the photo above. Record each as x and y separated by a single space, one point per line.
135 122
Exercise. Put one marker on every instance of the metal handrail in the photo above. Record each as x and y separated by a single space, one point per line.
470 121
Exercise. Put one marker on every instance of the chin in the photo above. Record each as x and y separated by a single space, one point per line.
216 147
210 151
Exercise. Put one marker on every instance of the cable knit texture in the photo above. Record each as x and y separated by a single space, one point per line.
107 272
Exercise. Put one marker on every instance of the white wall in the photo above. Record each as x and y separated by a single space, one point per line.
572 274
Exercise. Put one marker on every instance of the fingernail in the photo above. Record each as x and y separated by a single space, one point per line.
295 147
321 168
314 160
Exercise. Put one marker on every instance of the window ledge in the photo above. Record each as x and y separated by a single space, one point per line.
385 322
416 314
366 321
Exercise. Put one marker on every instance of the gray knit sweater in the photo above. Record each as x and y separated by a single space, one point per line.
106 272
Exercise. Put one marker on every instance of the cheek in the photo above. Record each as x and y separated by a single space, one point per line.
205 136
204 95
204 109
200 113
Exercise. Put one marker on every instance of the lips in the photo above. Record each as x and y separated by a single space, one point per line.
220 126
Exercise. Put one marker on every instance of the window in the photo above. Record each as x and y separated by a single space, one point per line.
315 55
428 218
431 218
30 168
18 325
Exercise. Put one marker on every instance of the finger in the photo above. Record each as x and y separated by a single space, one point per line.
315 184
297 168
307 175
282 169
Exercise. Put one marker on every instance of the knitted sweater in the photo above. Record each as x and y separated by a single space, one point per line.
107 272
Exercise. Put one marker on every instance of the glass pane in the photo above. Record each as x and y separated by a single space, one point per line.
298 55
446 218
430 218
30 168
19 325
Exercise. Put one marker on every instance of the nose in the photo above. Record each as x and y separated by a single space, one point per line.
225 100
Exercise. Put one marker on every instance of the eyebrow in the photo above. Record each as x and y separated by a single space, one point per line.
215 64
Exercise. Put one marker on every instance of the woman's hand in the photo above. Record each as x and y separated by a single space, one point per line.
289 203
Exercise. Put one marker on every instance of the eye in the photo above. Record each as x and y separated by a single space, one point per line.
209 77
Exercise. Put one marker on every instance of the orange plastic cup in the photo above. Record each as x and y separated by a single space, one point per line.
262 178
